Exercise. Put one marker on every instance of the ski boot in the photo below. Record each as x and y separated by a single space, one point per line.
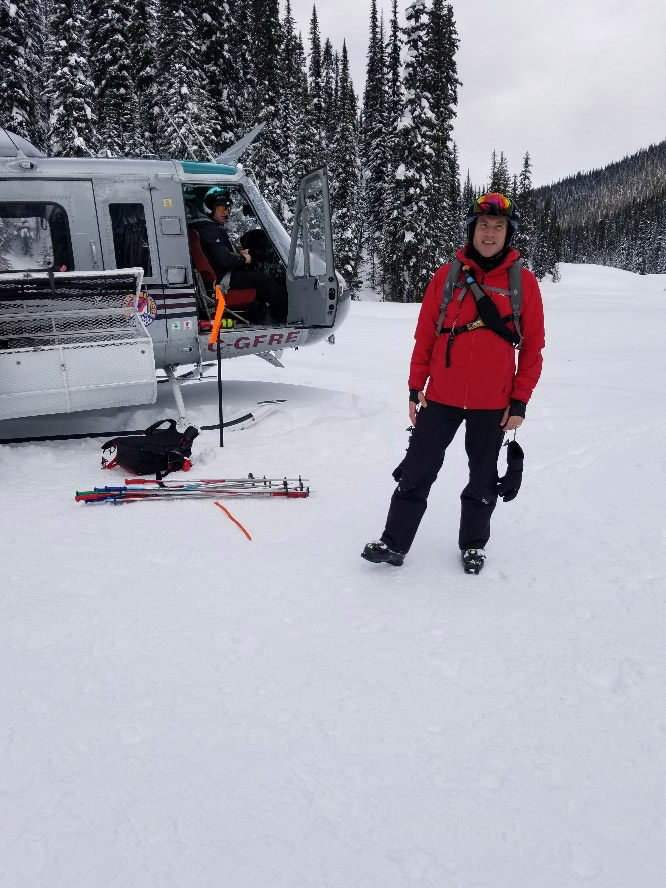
473 560
379 553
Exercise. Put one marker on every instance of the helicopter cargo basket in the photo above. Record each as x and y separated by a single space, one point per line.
73 341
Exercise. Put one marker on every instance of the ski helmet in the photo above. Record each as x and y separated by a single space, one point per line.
216 197
493 204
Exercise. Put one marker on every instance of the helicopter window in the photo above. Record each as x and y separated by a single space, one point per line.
34 236
311 243
130 236
244 228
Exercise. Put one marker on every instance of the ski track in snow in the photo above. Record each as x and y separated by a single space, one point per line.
183 707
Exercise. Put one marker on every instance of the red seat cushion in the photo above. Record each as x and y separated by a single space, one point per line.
239 298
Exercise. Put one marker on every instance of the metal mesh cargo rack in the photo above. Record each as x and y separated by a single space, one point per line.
73 341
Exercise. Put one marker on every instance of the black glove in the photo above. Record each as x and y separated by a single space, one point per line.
414 396
509 485
517 408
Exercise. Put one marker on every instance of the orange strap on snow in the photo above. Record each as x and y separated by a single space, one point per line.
219 311
229 515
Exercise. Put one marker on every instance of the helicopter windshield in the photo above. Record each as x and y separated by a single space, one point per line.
267 217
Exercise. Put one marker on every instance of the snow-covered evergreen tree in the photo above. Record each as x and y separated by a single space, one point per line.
70 88
265 156
218 66
345 169
182 97
410 194
111 70
392 232
500 178
441 83
243 73
15 106
374 144
142 41
316 111
469 194
294 121
525 236
328 96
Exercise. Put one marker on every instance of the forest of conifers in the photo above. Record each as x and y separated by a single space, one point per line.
141 77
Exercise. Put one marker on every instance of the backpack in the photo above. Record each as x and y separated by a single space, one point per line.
157 451
515 291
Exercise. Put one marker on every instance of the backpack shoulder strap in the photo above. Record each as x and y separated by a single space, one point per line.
516 288
447 293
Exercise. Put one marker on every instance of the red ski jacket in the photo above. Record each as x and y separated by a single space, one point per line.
482 374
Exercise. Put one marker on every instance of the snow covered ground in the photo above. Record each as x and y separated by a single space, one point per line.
183 708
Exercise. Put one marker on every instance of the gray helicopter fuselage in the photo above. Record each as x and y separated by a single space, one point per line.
98 201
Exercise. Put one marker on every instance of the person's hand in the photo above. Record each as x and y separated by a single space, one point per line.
412 407
510 423
246 256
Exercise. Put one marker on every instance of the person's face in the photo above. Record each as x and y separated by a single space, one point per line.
221 214
489 235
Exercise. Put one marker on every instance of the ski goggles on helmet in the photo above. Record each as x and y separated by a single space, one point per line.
494 203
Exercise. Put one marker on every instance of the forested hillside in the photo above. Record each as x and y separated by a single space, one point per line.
614 216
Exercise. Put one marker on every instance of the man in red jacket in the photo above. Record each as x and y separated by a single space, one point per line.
463 368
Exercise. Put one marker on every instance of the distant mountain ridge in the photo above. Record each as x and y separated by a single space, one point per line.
615 215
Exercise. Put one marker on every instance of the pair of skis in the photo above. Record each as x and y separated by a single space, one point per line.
205 488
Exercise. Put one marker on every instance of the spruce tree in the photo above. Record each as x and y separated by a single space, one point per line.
374 144
315 90
411 188
111 69
181 84
142 40
264 159
392 237
244 76
441 83
346 216
525 236
218 67
468 193
328 98
294 122
500 179
70 89
16 108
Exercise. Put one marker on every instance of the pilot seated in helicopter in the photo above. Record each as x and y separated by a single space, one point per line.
220 253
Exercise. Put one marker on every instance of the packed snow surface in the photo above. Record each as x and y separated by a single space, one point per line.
184 708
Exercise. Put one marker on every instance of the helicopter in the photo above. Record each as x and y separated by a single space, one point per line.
103 281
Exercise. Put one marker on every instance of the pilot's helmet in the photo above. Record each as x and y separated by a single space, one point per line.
216 197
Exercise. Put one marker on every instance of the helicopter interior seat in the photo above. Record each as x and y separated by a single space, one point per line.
236 299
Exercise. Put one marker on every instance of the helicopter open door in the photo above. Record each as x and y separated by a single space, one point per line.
311 280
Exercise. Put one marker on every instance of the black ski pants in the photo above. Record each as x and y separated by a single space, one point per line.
436 426
269 292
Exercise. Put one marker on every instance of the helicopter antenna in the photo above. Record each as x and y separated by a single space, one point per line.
192 130
178 133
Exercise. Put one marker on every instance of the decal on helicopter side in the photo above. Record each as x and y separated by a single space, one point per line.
77 235
146 308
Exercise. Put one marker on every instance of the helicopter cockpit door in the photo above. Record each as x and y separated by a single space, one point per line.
311 280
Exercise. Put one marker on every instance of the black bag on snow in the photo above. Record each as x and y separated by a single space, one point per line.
157 452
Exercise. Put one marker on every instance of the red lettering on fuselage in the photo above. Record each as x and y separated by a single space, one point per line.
275 338
261 337
242 339
293 336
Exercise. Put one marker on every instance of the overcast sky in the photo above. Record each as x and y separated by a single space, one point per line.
577 83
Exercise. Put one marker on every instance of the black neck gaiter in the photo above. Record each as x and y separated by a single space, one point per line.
490 262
